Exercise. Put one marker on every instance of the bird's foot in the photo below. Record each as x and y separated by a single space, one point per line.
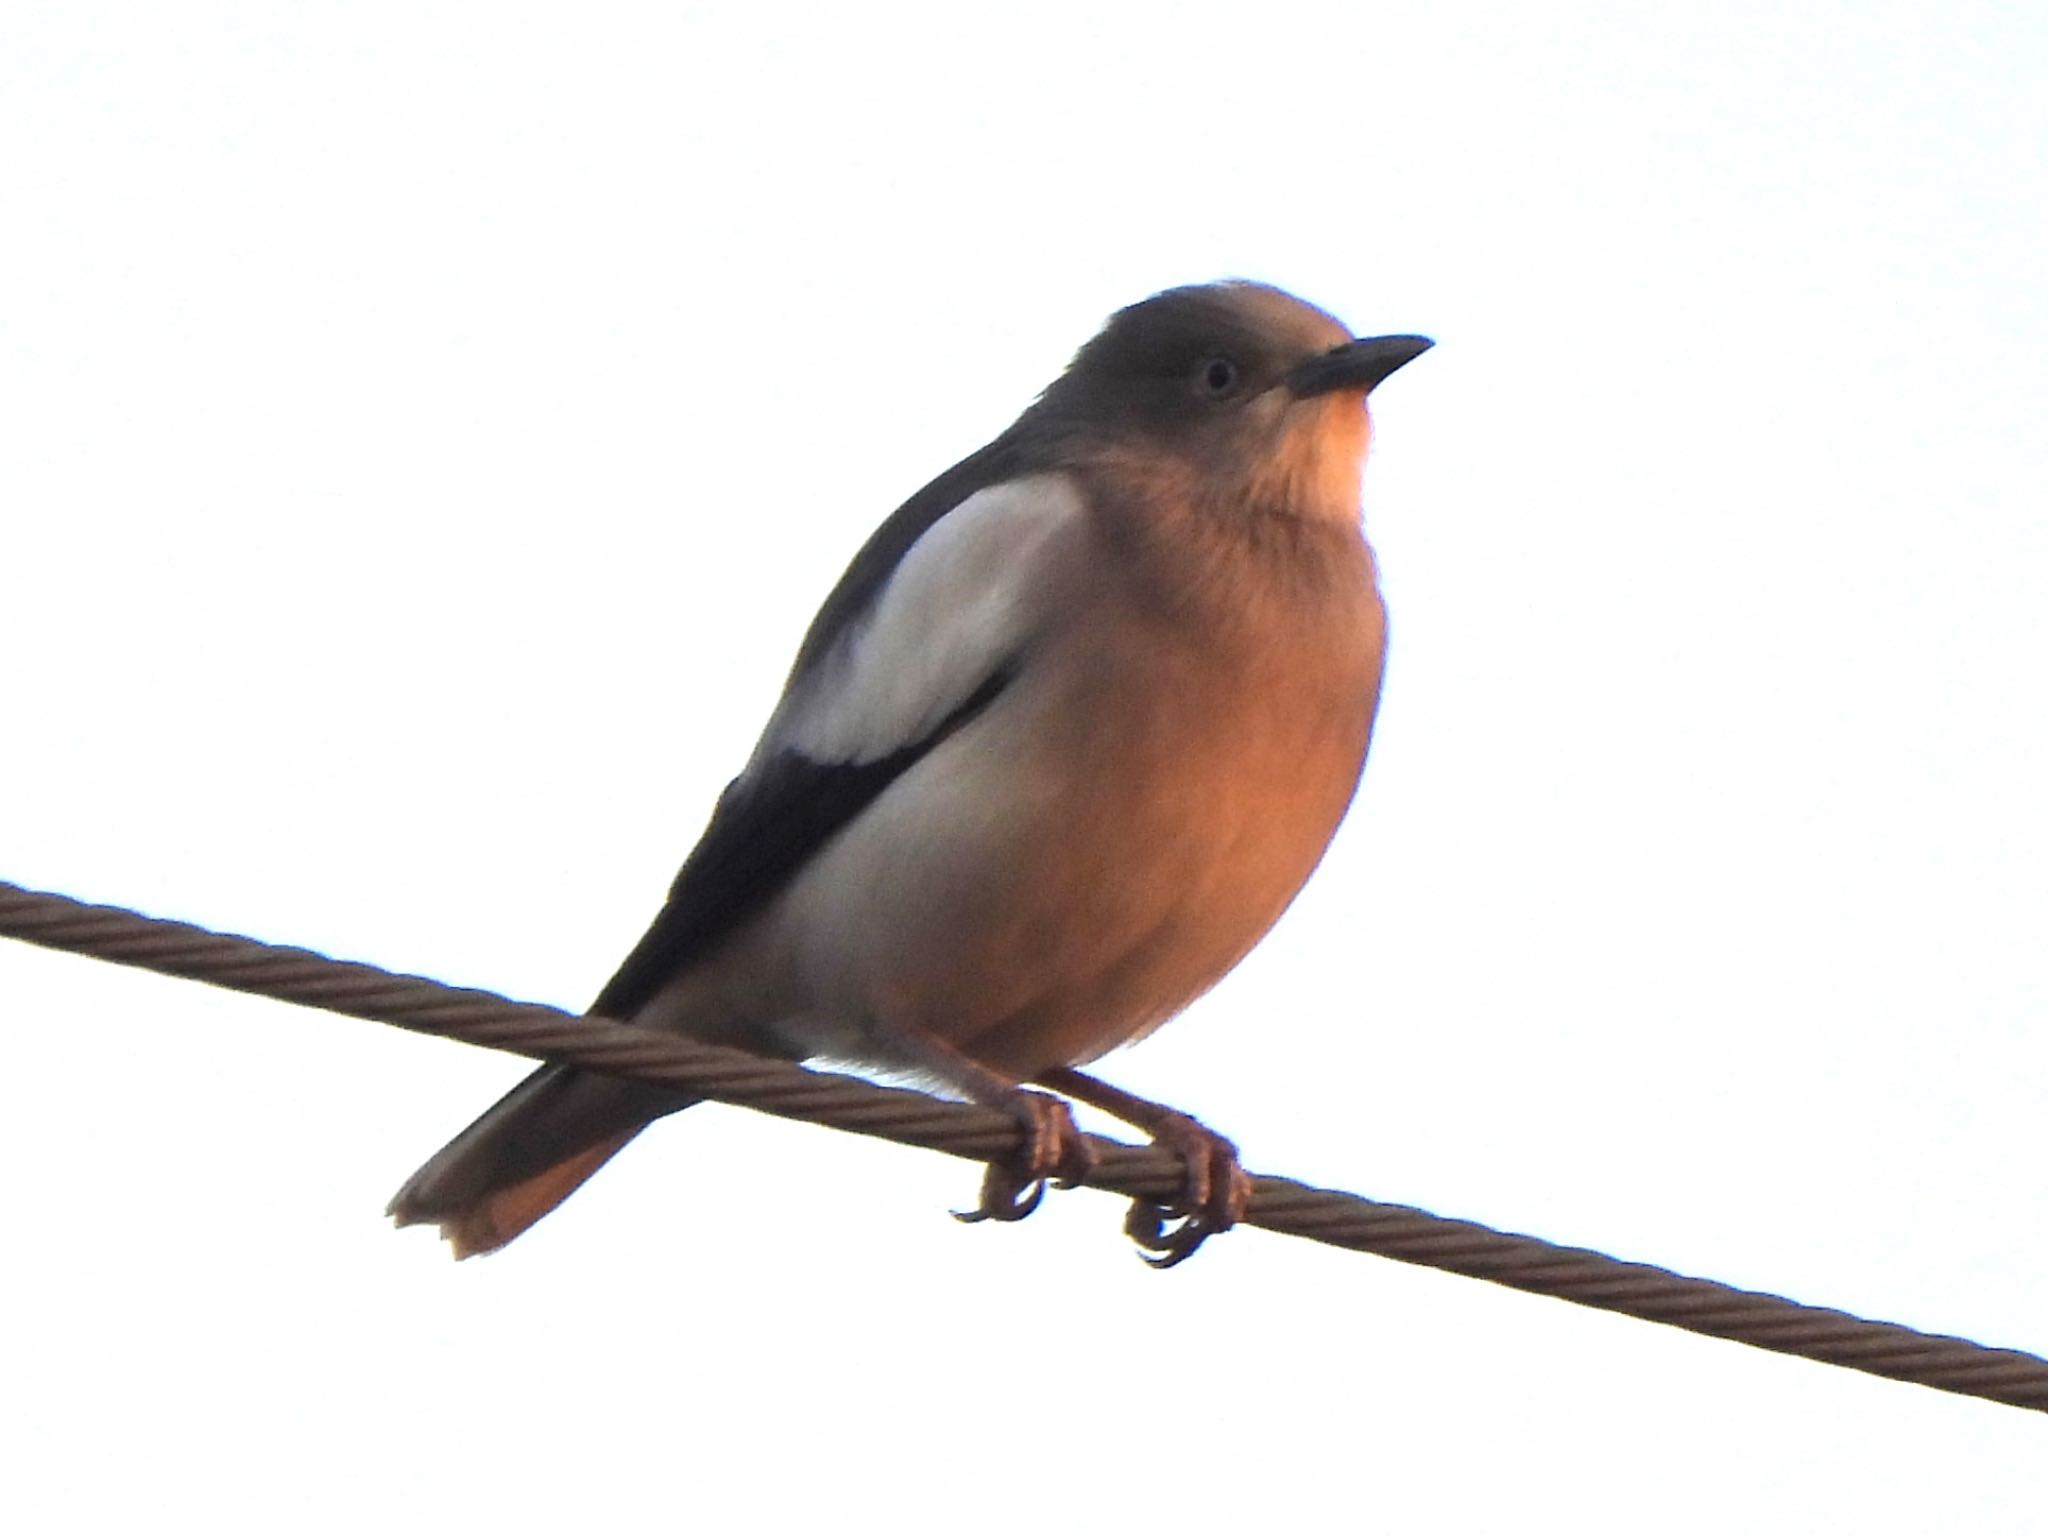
1215 1198
1052 1148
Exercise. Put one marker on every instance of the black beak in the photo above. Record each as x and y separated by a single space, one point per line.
1356 365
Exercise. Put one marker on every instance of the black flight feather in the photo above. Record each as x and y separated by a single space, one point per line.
772 820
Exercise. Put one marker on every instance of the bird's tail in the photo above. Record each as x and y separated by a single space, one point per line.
528 1153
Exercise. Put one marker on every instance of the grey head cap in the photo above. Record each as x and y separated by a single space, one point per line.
1169 364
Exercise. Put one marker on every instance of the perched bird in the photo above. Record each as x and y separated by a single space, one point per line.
1060 747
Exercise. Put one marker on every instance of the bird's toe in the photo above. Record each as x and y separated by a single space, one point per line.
1214 1199
1052 1149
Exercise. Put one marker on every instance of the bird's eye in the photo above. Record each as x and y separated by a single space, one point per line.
1218 378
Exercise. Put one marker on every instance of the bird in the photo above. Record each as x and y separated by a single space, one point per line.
1067 737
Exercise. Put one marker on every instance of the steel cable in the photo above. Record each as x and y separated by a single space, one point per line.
969 1131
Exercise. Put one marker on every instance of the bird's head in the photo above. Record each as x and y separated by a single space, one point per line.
1245 393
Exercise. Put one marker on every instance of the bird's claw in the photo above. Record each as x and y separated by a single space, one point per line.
1215 1198
1052 1150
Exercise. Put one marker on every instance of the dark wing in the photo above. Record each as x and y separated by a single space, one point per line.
768 824
788 804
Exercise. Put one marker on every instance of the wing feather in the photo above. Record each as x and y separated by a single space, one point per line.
931 643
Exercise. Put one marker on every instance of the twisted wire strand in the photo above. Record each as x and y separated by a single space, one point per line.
1343 1220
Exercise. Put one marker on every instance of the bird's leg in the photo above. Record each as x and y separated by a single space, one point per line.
1051 1148
1218 1190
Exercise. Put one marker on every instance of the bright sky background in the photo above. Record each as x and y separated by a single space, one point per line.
424 432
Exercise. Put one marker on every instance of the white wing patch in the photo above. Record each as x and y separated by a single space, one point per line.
961 602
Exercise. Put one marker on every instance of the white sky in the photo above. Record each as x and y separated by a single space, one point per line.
424 432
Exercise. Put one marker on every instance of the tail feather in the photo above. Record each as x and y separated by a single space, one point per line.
526 1154
502 1214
